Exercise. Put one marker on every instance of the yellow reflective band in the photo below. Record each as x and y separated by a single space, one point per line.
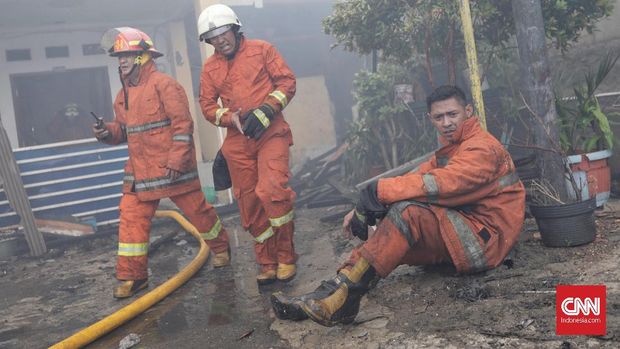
133 250
262 117
280 221
218 115
137 42
214 232
281 97
264 236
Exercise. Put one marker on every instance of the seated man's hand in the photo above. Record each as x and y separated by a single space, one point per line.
369 205
257 121
354 225
358 225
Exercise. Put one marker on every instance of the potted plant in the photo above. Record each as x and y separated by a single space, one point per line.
585 144
586 136
560 223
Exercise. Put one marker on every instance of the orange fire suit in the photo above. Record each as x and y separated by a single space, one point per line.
157 126
258 168
465 206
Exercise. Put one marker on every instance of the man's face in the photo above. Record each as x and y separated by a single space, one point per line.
448 115
126 61
224 43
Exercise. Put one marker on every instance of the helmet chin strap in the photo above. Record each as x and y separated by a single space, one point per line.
133 74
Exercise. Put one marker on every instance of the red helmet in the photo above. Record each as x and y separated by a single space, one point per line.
126 39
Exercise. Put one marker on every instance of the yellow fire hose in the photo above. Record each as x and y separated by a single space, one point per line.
141 304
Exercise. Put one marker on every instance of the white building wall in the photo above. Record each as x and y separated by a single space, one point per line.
38 41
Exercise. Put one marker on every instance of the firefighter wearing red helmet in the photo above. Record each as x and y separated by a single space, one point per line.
152 116
254 85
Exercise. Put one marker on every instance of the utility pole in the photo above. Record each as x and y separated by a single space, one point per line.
537 90
472 61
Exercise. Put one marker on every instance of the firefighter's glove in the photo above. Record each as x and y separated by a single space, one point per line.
368 204
358 226
257 121
221 175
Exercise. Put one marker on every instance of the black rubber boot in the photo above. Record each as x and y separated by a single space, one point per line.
289 308
342 304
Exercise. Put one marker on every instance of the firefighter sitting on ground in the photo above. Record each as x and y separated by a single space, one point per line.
464 207
152 116
254 84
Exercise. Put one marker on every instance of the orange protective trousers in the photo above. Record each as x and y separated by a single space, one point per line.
259 173
135 225
388 248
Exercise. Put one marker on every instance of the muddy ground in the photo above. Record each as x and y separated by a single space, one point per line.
44 300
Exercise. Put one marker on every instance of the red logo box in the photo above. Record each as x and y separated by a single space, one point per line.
580 310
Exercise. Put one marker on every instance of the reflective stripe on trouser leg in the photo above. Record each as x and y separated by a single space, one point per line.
396 236
471 246
214 232
133 249
133 237
284 227
203 216
264 244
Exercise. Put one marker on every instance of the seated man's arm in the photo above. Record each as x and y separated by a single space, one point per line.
468 177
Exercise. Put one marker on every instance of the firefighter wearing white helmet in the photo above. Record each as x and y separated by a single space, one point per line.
215 20
254 84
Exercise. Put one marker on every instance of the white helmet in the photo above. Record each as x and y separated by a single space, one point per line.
215 20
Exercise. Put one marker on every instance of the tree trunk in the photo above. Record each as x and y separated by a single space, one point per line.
427 54
450 55
538 92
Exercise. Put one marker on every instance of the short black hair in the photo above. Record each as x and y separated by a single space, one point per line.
444 92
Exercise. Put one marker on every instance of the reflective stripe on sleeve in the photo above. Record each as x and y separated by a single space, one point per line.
128 178
281 97
187 138
508 180
432 190
218 115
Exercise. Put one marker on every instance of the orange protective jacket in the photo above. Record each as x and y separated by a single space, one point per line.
257 75
157 127
474 192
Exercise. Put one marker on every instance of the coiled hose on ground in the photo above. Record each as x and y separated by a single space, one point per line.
141 304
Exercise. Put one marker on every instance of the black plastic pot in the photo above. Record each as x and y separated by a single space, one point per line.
566 225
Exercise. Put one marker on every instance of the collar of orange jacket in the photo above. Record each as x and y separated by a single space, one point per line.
465 131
